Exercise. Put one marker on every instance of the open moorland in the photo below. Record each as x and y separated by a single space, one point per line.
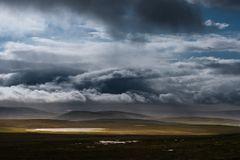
116 139
113 127
32 146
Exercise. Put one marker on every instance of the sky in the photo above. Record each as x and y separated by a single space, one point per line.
120 51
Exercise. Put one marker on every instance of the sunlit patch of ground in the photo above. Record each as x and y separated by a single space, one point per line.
112 127
120 131
117 142
114 131
66 130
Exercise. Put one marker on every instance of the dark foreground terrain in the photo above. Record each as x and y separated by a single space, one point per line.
30 146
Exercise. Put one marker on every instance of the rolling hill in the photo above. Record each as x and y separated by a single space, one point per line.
22 113
202 121
231 114
87 115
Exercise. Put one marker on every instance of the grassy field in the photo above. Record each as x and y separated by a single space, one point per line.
120 140
19 146
118 127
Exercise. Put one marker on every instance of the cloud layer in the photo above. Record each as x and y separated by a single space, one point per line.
198 80
126 18
91 51
51 71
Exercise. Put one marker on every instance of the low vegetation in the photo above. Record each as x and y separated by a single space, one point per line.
19 146
116 127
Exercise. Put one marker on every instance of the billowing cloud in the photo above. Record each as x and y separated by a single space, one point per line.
23 94
197 81
211 23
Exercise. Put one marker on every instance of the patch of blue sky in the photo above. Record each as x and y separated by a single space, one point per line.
221 55
223 16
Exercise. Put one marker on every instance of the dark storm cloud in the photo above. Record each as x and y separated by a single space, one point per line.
124 17
36 77
26 73
116 81
169 87
116 85
232 69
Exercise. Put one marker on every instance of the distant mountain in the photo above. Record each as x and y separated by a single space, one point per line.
22 113
87 115
202 121
230 114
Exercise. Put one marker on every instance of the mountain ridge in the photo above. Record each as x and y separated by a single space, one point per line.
89 115
22 113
